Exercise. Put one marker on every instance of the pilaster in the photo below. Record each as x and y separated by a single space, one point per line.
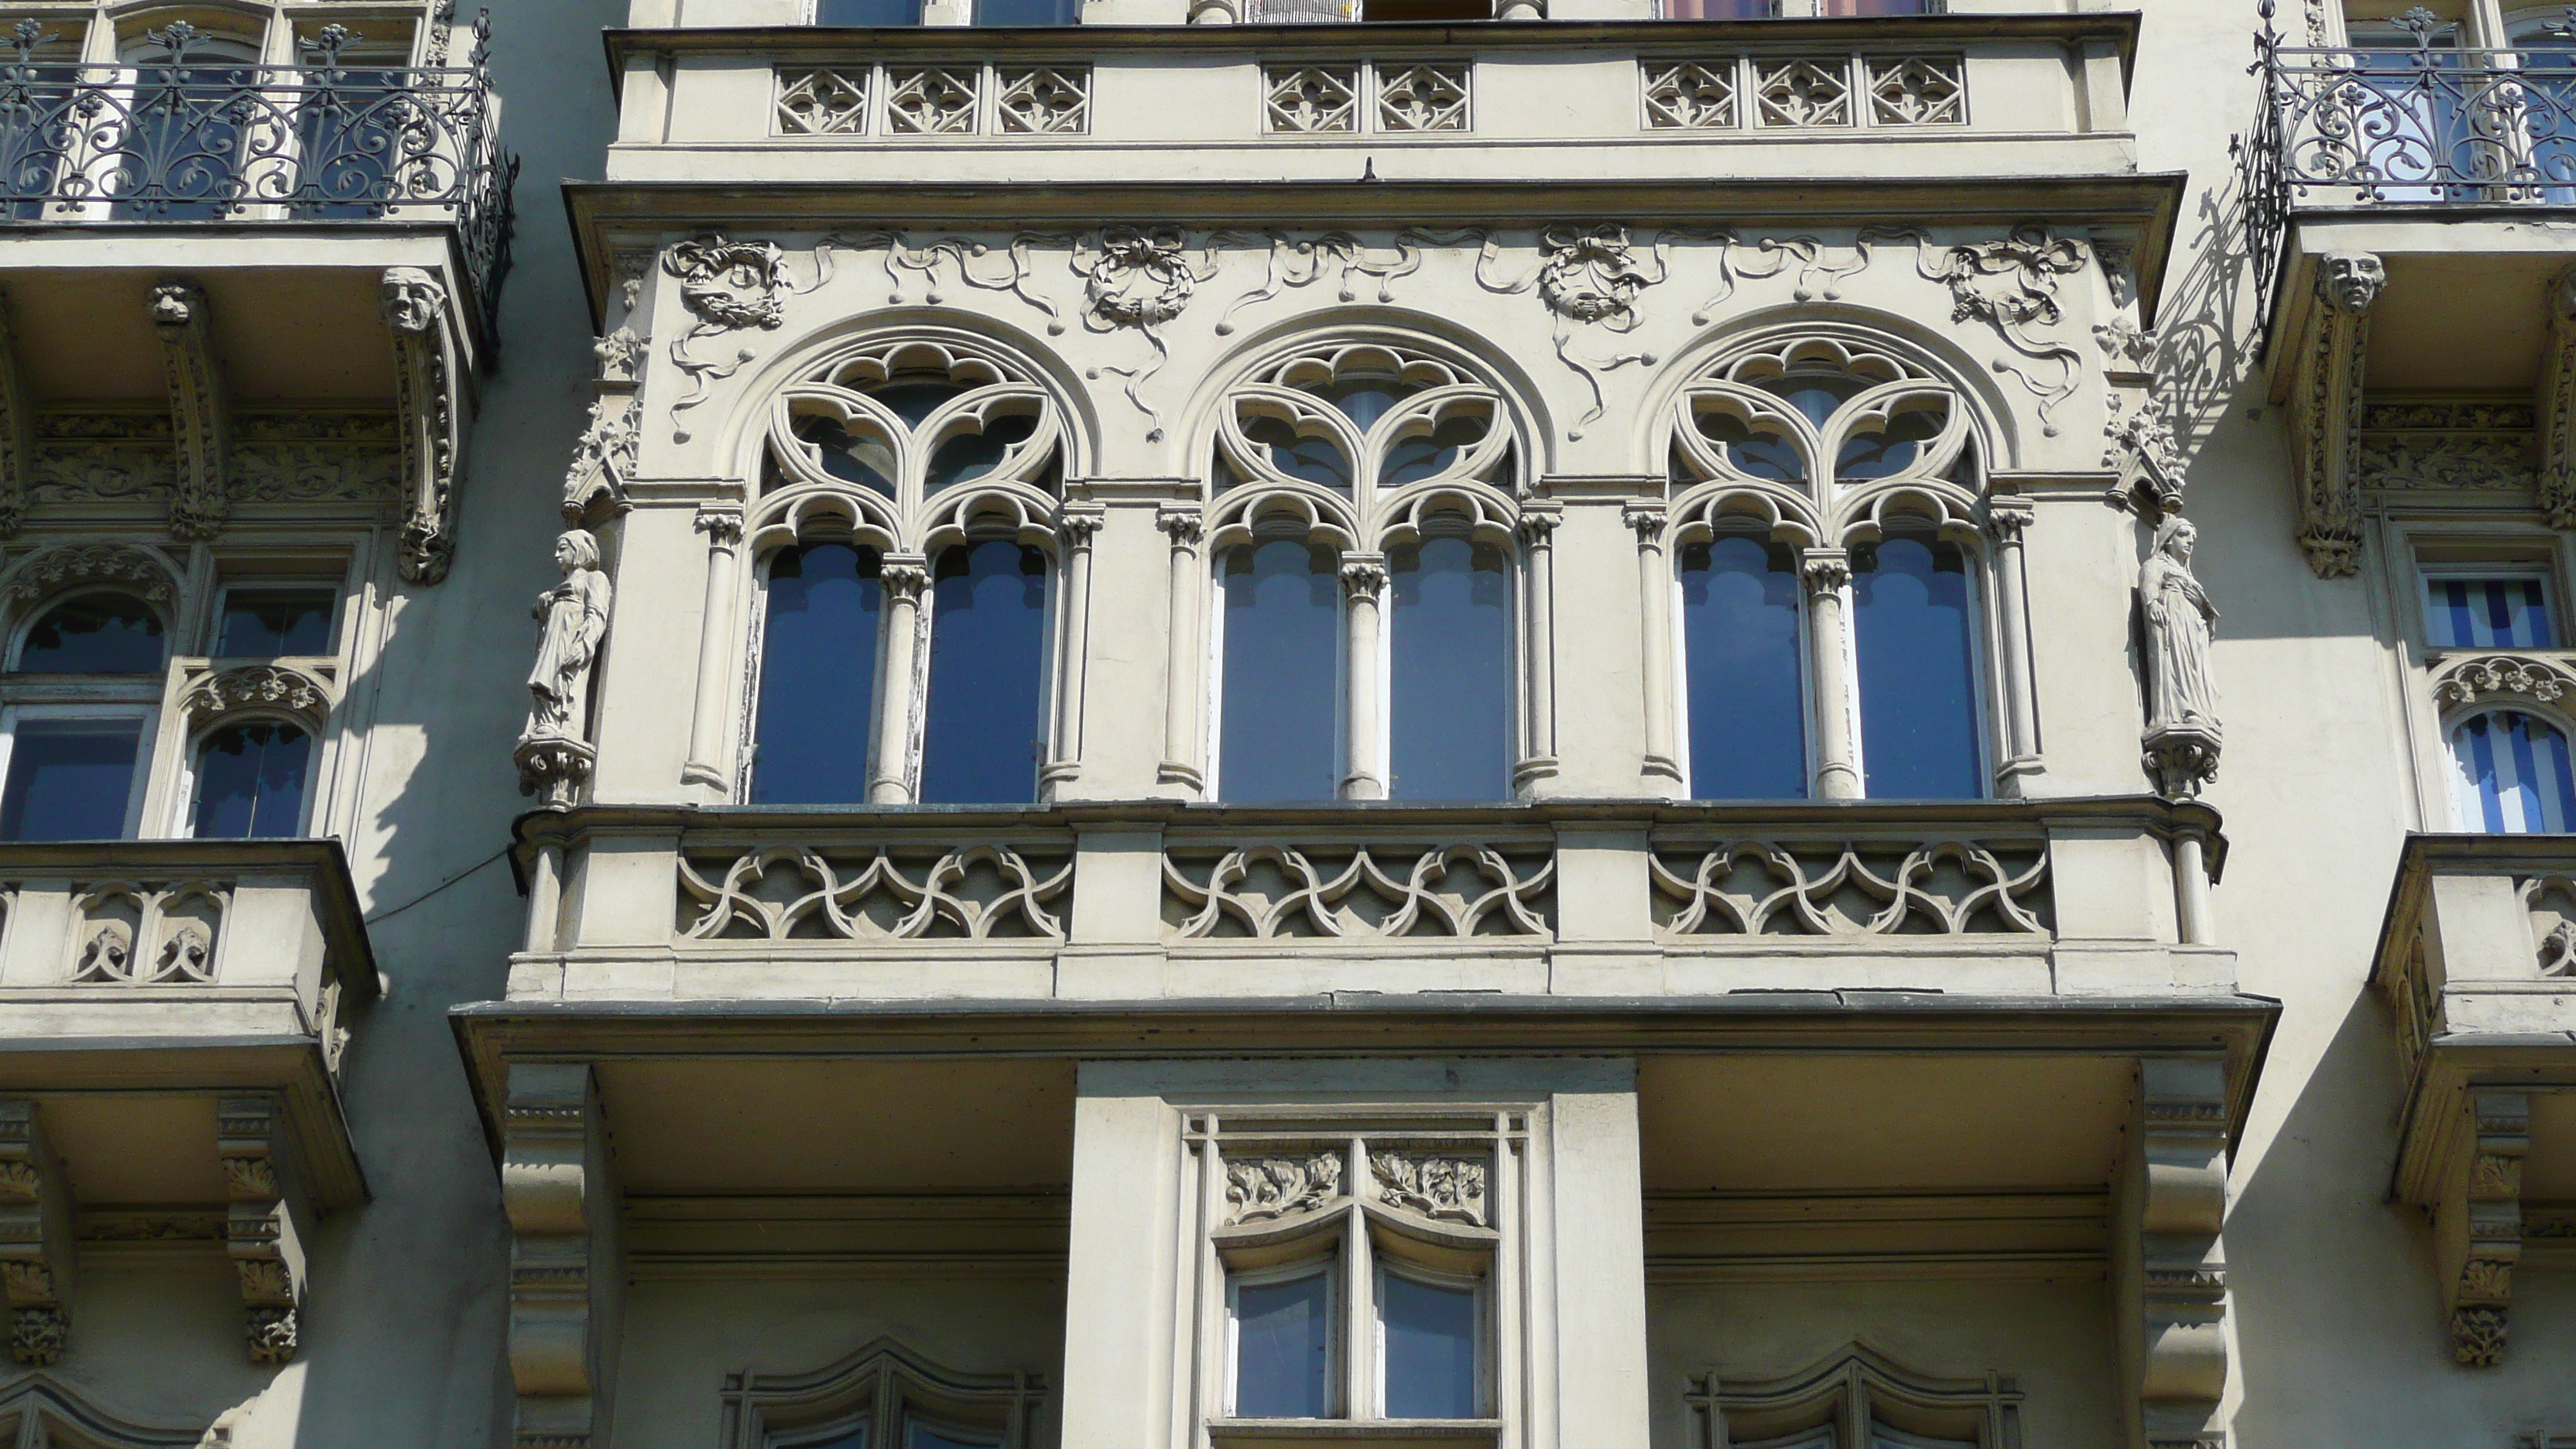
200 414
2170 1261
1655 596
2478 1226
431 408
35 1237
1077 526
564 1272
267 1223
1184 736
1538 525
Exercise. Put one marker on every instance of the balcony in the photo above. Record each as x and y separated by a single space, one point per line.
2477 963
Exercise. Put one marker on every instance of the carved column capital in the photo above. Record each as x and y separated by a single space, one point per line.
720 522
1648 520
1186 523
2008 518
1364 576
267 1223
35 1237
904 577
1077 524
1824 570
1539 522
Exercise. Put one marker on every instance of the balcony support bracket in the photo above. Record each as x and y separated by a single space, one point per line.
2478 1226
2171 1266
432 407
2325 401
2556 405
17 427
564 1273
200 413
35 1236
268 1222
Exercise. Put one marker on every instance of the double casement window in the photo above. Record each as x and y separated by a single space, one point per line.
1363 618
905 614
1828 581
884 1396
92 698
1860 1399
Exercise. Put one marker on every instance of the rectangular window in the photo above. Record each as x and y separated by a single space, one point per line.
1280 1328
1028 12
270 622
2488 611
1720 9
867 12
70 777
1429 1331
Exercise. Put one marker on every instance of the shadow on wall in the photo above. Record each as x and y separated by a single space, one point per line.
2206 334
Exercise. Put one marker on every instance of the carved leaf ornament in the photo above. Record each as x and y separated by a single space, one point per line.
1433 1185
979 893
1260 1189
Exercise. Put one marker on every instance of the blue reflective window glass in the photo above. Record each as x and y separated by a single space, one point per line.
818 670
267 623
1918 711
1889 448
919 1435
1028 12
94 634
1312 457
2491 613
250 782
969 456
861 457
855 1439
69 779
1755 454
867 12
980 739
1431 1367
178 155
2514 777
1430 455
1740 657
1283 1349
1451 669
1278 710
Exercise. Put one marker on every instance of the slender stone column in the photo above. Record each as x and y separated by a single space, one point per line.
903 577
1654 600
708 757
1538 644
2006 519
1364 584
1827 572
1076 526
1184 690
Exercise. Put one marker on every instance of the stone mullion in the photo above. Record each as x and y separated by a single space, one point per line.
1365 723
708 763
904 579
35 1237
1184 684
1078 525
1826 573
266 1223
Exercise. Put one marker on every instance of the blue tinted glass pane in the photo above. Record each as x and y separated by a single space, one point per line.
1918 715
1417 458
1890 449
2472 613
2514 777
818 670
1430 1350
181 145
250 782
860 458
1317 460
1283 1350
1756 455
94 634
69 779
1451 667
1282 636
987 666
1028 12
265 623
918 1435
867 12
972 455
1740 657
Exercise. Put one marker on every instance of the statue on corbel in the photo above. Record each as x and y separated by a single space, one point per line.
2182 738
553 756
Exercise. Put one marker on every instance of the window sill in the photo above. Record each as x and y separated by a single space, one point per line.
1296 1433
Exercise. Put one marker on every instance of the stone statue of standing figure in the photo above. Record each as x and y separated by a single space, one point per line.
573 619
2182 738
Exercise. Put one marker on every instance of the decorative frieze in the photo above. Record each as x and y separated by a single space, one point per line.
940 98
1441 1186
1279 892
1327 98
1787 887
1311 100
2469 446
1813 92
981 892
147 933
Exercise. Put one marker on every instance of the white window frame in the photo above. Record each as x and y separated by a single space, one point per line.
146 717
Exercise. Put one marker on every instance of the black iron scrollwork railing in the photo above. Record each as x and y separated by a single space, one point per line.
190 136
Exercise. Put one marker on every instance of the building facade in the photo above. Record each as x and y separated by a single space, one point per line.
1213 724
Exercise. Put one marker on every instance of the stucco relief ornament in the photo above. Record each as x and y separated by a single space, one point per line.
2182 738
1277 1187
2012 284
1588 277
1141 279
2141 446
572 622
728 286
603 458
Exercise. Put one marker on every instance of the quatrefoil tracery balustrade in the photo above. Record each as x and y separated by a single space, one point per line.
913 446
1817 436
1363 444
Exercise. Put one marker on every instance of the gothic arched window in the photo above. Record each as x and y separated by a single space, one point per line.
1364 630
1825 580
907 523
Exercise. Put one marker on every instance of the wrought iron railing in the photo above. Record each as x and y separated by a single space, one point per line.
190 137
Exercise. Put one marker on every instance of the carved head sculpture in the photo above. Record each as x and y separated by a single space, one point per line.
575 550
2174 538
2350 281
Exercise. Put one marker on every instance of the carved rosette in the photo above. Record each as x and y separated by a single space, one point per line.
1140 278
1258 1189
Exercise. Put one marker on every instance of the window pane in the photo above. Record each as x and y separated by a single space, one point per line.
818 670
1430 1350
94 634
266 623
918 1435
1918 710
1717 9
250 782
987 666
2500 613
1452 671
1741 660
1280 703
1028 12
972 455
69 779
855 1439
1283 1349
1878 7
867 12
2514 777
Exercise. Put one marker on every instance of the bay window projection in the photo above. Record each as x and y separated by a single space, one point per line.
906 608
1823 615
1363 627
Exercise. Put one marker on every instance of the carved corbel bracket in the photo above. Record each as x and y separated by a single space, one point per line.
267 1224
2325 403
553 769
563 1272
2556 405
17 426
35 1237
2173 1266
431 407
2478 1226
2181 758
200 414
